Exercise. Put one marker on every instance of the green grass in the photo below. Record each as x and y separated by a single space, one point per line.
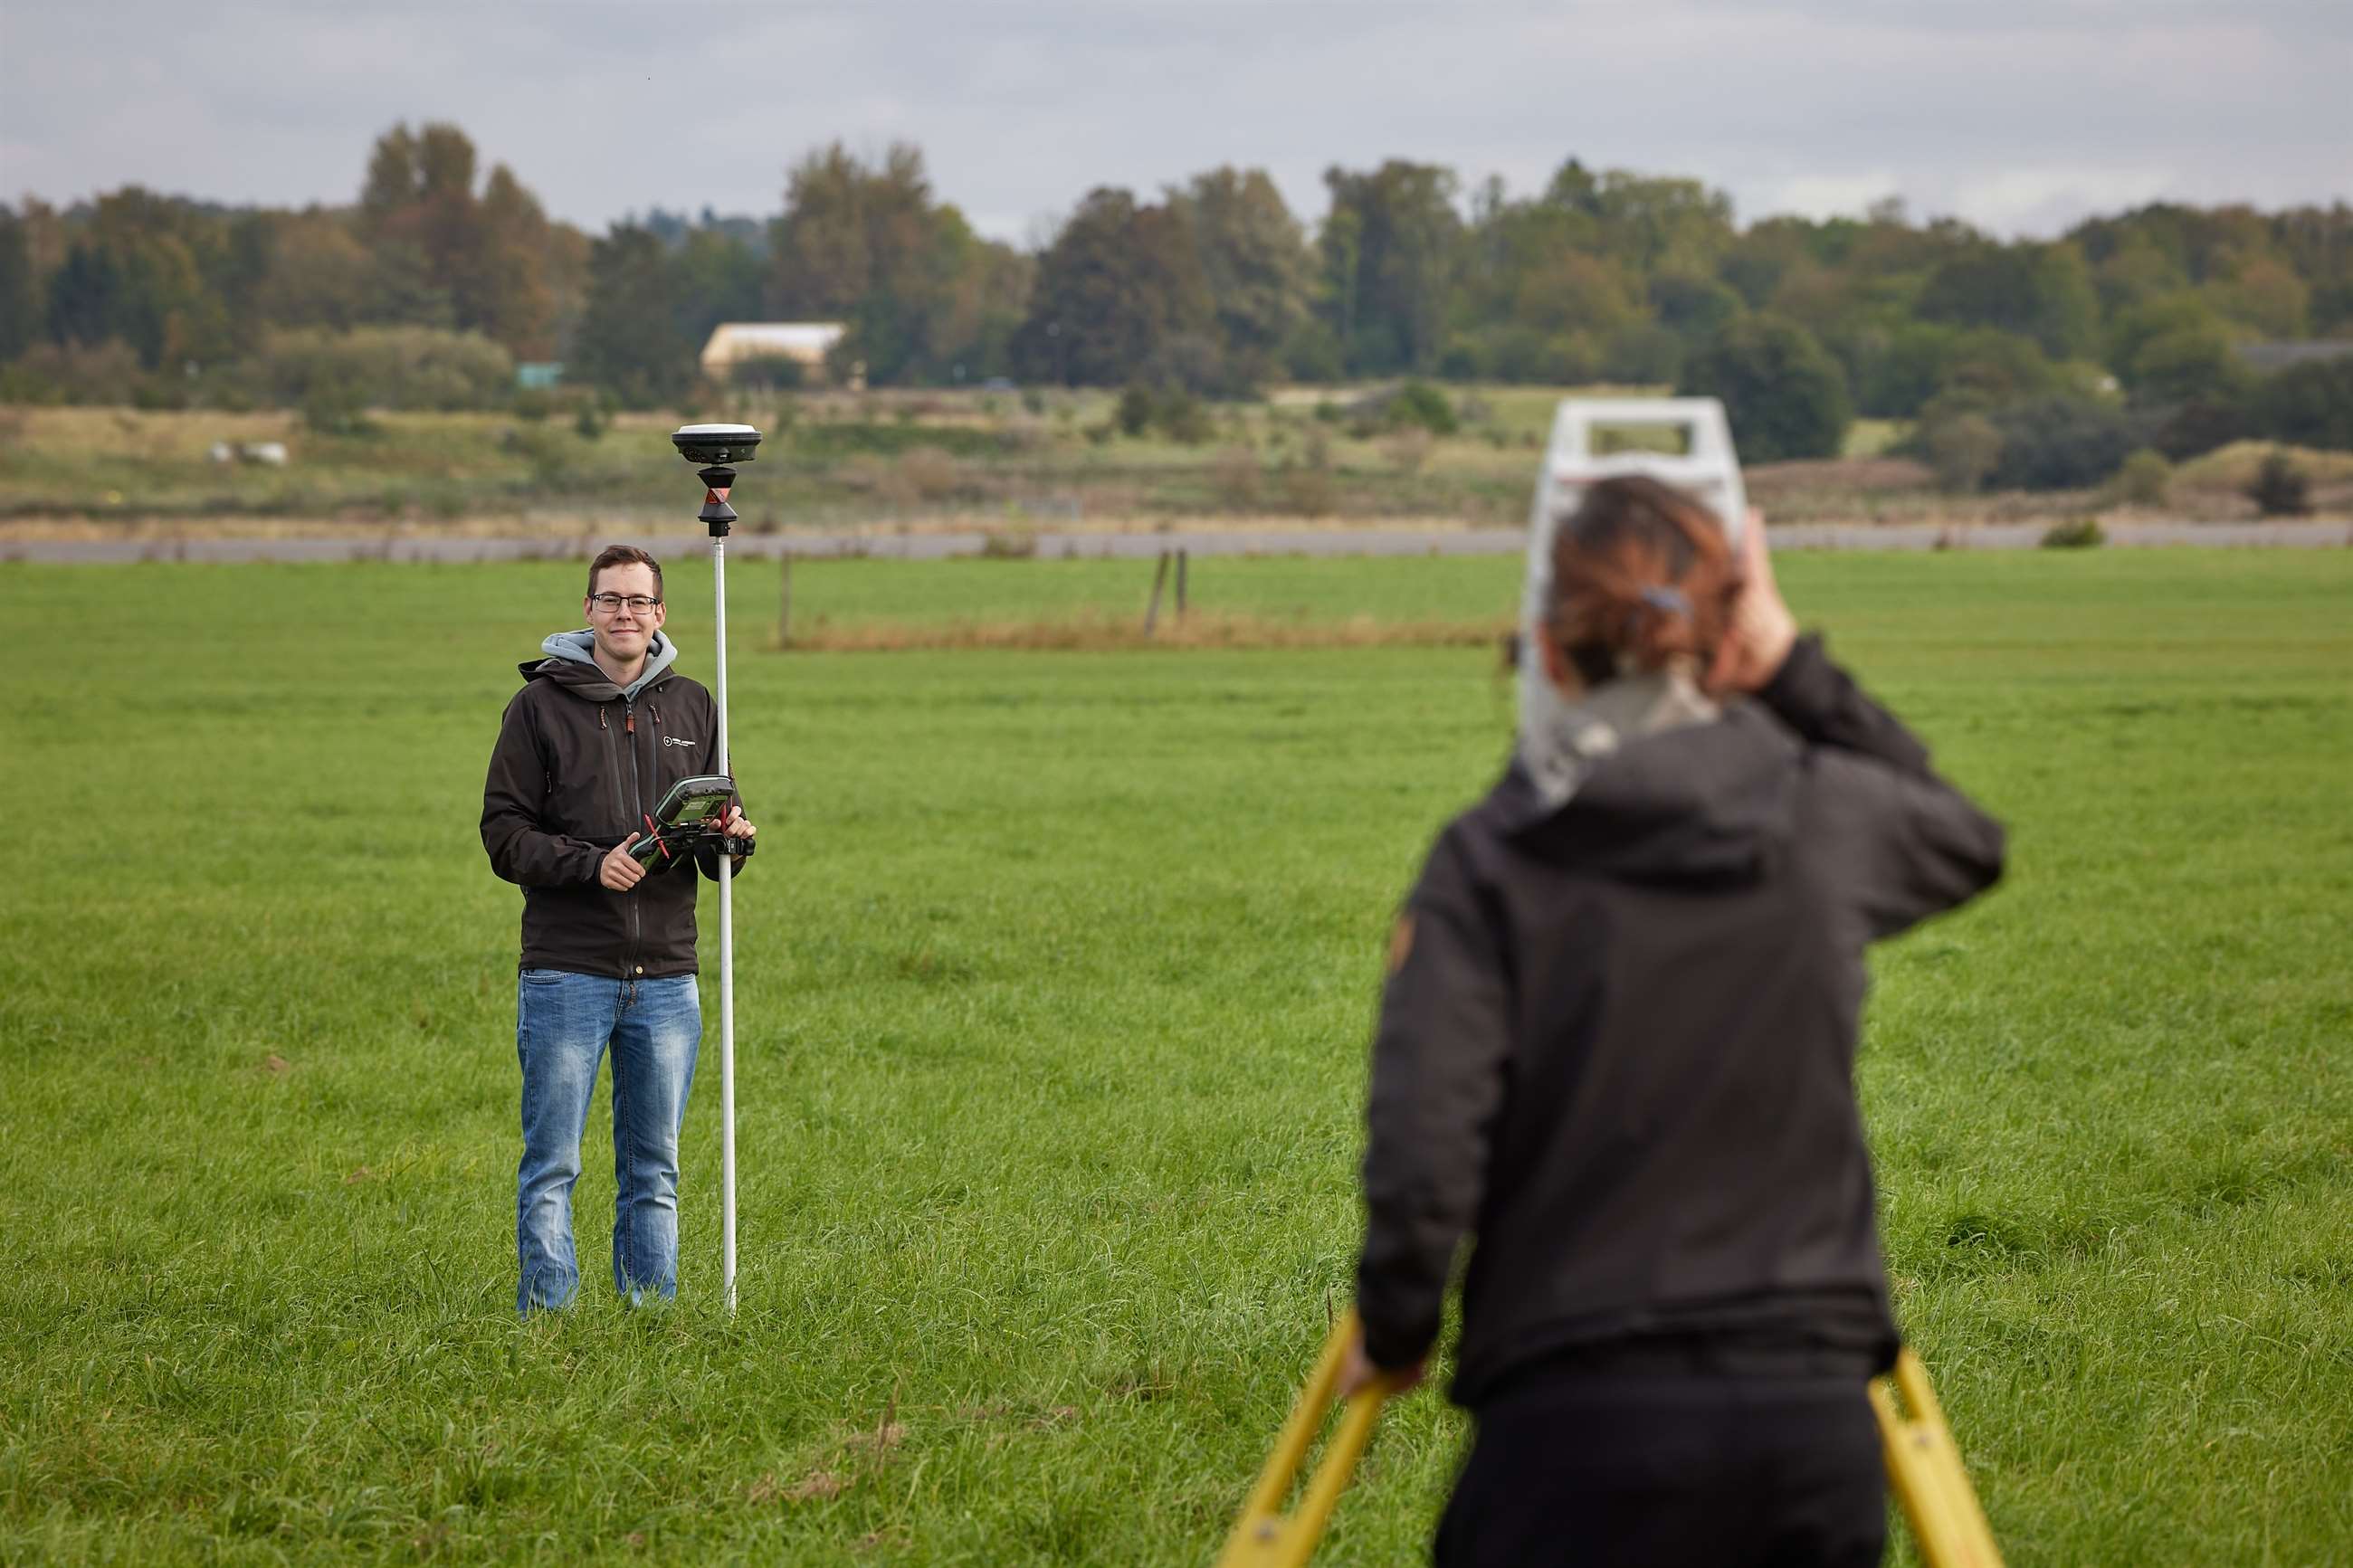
1871 437
1056 976
1279 589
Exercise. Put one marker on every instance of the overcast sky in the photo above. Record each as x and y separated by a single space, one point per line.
2020 117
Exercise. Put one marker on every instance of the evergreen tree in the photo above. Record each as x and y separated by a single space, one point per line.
1391 252
1783 394
1120 284
631 341
20 305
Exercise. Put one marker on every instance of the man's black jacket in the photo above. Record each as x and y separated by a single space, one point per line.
577 768
1618 1041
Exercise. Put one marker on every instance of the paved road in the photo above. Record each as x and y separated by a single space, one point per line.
361 544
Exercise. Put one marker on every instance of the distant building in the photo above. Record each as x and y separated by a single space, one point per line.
2268 357
736 343
540 376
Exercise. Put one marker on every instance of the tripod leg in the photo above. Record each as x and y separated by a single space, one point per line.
1923 1468
1263 1536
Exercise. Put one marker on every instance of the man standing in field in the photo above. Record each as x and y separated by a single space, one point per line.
602 727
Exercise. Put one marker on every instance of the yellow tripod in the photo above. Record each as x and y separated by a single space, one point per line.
1265 1537
1923 1466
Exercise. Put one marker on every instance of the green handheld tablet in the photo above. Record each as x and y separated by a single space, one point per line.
687 820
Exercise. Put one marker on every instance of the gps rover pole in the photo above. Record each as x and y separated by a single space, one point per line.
718 448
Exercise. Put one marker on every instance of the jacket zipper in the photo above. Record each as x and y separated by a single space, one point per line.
613 743
630 965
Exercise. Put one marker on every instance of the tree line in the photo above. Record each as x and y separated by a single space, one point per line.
428 288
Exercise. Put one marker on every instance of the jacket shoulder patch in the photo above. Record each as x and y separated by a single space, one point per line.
1401 943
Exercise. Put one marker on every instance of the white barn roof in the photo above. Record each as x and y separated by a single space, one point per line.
733 342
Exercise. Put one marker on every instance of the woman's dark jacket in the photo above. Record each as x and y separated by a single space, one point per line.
1618 1041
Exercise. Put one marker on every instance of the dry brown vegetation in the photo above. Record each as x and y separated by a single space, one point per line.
2218 481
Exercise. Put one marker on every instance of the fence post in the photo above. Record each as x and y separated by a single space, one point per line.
1152 610
1180 587
785 602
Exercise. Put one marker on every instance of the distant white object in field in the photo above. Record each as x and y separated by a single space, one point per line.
1681 441
269 454
805 343
221 452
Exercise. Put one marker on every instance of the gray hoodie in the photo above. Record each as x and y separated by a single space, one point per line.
580 647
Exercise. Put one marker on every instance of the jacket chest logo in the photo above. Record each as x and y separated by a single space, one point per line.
674 741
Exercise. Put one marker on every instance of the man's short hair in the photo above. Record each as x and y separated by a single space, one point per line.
624 555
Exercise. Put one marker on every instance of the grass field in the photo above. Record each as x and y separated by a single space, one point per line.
1056 975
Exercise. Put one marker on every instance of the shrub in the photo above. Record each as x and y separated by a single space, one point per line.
1406 449
1644 354
1134 413
1308 487
1308 490
2280 488
1235 474
50 373
774 373
162 391
2064 443
549 452
591 422
930 474
1312 353
2308 404
1183 417
336 408
2082 533
1783 393
1197 363
386 367
864 474
1418 404
2194 430
2186 365
1963 448
2143 479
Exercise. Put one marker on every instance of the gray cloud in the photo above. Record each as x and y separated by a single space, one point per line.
2019 117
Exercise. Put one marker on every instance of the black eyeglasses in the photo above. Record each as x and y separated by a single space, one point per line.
611 602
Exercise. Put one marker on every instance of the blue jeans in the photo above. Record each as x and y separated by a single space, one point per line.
563 1024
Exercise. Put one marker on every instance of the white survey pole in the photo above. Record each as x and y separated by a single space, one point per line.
726 950
719 448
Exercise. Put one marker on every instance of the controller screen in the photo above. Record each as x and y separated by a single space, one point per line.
697 808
